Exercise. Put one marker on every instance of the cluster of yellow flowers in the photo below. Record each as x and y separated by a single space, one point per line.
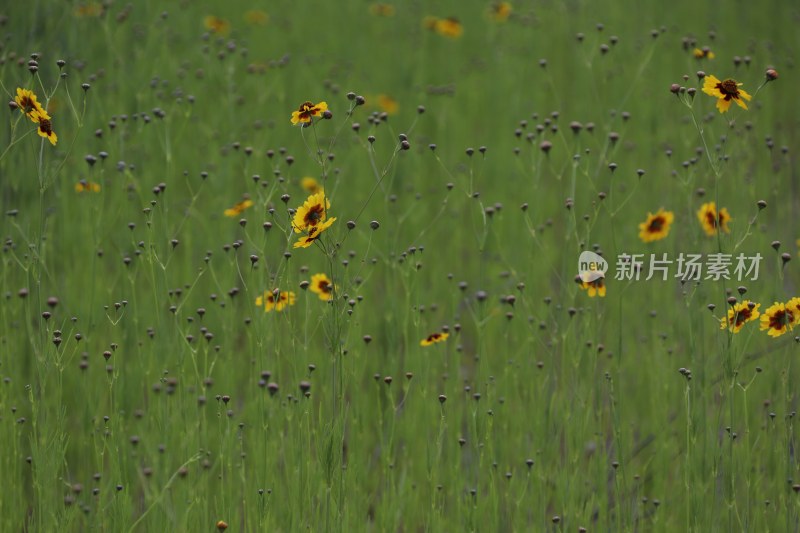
776 320
310 219
29 105
278 300
222 27
657 225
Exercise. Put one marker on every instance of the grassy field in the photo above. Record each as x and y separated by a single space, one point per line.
195 337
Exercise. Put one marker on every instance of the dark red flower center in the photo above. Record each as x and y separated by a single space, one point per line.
45 126
743 316
27 104
324 286
307 110
656 224
314 215
780 319
729 88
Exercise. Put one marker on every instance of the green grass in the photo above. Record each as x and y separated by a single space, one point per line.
140 401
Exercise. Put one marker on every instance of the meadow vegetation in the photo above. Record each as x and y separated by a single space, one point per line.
314 267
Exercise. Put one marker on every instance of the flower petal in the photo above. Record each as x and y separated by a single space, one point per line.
710 86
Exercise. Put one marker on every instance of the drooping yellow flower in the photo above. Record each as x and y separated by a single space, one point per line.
29 105
45 128
711 221
217 25
739 315
313 234
449 27
778 319
307 111
256 17
276 300
703 53
725 92
381 10
433 338
593 288
656 227
313 212
387 104
322 286
310 185
87 186
239 208
500 11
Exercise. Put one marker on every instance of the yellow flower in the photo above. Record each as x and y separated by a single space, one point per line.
656 227
313 234
711 221
382 10
314 211
217 25
45 128
739 315
275 300
239 208
449 27
725 91
500 11
387 104
87 186
311 185
793 306
705 52
433 338
307 111
256 17
778 319
92 9
29 105
593 288
312 219
322 287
